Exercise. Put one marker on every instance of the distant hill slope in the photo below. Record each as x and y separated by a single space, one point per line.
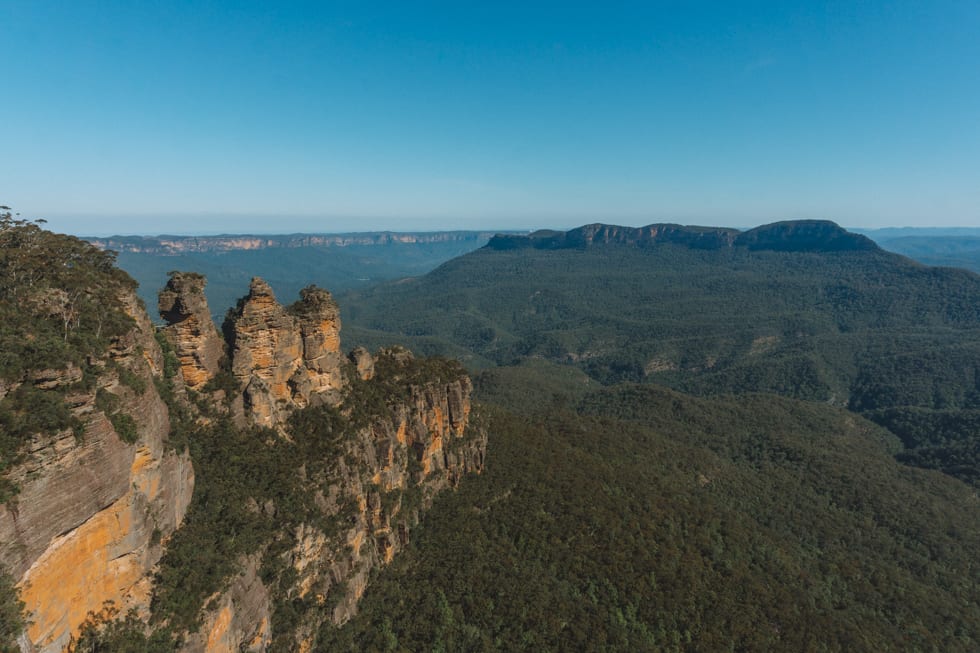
287 262
804 309
959 251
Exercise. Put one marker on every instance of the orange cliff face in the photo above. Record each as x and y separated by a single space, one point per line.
286 359
281 359
388 475
87 524
198 345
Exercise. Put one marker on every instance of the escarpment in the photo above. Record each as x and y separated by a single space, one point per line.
94 502
396 441
221 490
373 440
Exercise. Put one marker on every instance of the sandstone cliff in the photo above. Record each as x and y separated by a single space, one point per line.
169 245
403 436
92 511
91 500
285 359
369 497
198 345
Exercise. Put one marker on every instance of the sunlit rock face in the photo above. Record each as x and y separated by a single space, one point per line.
87 525
363 363
389 473
190 329
285 358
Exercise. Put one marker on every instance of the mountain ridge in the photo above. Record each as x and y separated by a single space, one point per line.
788 235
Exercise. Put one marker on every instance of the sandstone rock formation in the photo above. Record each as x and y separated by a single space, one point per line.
389 472
95 512
198 345
285 359
363 363
88 523
281 358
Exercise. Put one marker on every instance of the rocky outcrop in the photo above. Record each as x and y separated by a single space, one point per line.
387 474
241 621
319 326
363 363
92 500
285 359
391 474
92 512
191 331
281 358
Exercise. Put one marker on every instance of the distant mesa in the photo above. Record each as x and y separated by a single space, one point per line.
789 236
804 236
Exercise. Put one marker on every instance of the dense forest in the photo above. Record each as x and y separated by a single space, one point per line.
636 518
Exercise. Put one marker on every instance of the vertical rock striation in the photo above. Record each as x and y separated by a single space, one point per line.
319 324
382 479
285 359
92 511
198 345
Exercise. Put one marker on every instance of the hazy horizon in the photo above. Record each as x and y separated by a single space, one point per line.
258 228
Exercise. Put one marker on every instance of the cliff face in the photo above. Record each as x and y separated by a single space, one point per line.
169 245
90 505
92 512
403 435
198 345
380 481
285 359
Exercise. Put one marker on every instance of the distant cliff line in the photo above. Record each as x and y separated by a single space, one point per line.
166 244
786 236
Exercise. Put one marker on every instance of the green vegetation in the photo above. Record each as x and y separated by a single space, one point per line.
253 488
107 632
60 309
335 268
60 298
12 621
756 512
642 519
690 449
865 329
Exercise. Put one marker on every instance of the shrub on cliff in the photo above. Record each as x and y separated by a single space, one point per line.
11 614
61 306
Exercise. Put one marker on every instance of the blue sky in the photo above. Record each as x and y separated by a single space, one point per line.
256 116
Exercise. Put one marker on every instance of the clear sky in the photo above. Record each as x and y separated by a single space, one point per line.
343 116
